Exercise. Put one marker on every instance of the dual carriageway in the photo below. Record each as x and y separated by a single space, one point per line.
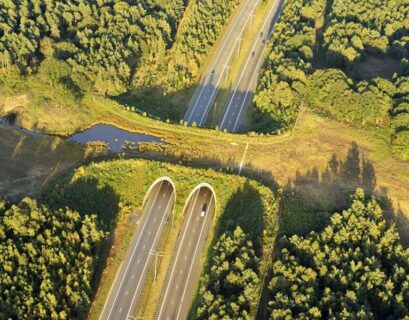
184 271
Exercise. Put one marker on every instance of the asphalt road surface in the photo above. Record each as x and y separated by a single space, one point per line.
128 283
185 270
205 94
242 95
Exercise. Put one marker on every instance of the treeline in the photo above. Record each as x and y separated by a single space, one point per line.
357 28
230 289
400 119
88 45
331 60
356 31
47 261
197 35
332 93
355 268
283 81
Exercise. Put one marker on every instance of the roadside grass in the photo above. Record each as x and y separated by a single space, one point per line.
276 158
124 183
173 105
29 163
227 85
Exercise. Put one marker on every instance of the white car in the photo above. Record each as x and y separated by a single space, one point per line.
204 209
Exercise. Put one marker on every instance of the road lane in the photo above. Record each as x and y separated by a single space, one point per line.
205 94
129 281
186 267
246 84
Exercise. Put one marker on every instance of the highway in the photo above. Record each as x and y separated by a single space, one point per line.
129 280
242 95
205 94
186 266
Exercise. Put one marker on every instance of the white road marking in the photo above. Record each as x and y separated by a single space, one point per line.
193 260
244 71
147 260
176 259
225 65
130 260
226 42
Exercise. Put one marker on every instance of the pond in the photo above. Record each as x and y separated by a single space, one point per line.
114 137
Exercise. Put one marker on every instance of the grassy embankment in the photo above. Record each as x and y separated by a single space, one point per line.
115 189
287 160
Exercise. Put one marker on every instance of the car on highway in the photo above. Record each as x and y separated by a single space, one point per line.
212 74
204 209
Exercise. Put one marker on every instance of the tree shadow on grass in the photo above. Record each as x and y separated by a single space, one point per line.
310 198
245 210
88 196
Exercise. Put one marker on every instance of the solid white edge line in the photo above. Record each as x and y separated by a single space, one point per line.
251 81
177 255
133 253
247 63
148 259
205 79
193 260
225 66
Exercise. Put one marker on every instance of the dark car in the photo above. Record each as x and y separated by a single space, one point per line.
204 209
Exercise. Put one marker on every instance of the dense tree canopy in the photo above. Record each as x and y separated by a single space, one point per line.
359 27
103 43
197 35
283 81
332 93
400 120
47 261
230 289
355 268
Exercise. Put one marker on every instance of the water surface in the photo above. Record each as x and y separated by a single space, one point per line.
114 137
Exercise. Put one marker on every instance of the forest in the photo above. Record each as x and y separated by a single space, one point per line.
109 47
230 289
97 45
284 80
356 268
48 258
347 60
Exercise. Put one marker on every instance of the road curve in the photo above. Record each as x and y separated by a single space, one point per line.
185 270
128 283
205 94
242 95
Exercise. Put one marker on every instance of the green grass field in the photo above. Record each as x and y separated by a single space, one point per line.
114 189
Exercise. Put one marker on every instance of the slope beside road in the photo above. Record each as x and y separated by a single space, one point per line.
185 270
242 95
129 280
205 94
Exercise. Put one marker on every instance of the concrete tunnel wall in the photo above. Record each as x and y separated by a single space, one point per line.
154 184
201 185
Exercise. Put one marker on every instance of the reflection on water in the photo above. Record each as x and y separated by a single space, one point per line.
114 137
